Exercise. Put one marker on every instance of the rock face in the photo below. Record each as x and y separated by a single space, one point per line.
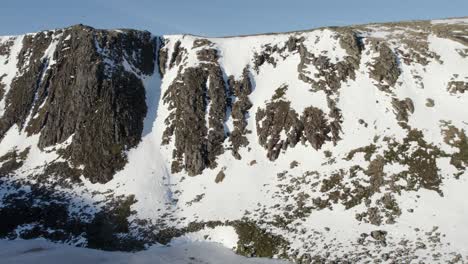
281 134
58 98
278 118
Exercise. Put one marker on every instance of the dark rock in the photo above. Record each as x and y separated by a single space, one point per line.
197 144
2 87
385 68
177 54
240 90
162 58
379 235
207 55
430 102
455 87
403 108
201 42
315 126
220 176
12 161
271 121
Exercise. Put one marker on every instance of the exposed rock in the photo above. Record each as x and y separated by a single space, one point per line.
186 97
162 58
293 43
430 102
177 54
384 68
208 55
455 87
220 176
12 161
2 87
265 56
315 125
5 47
201 42
240 90
278 117
293 164
331 75
256 242
402 108
271 121
197 199
456 138
197 144
23 90
45 214
378 235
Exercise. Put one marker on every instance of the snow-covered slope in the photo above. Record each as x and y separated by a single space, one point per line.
332 144
44 252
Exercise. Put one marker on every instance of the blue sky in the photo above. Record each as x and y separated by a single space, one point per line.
216 18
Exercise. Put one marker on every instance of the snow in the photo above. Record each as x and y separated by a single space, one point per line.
225 235
463 20
43 252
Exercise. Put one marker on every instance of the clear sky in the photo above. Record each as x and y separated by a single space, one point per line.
216 17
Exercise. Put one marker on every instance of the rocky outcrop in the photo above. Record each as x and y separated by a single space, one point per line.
196 93
279 126
316 127
331 75
384 68
200 100
272 121
239 92
177 54
402 108
58 98
2 88
455 87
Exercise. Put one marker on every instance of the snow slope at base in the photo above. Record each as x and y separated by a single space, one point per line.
43 252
